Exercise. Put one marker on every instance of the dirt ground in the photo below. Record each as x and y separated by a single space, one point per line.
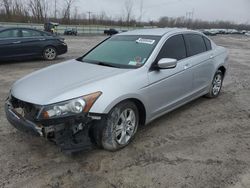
205 143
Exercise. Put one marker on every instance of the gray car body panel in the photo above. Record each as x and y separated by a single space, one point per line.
159 91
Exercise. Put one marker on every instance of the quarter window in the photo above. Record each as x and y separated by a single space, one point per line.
195 44
173 48
208 43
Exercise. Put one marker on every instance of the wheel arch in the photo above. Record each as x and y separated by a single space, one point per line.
49 45
139 104
222 69
141 109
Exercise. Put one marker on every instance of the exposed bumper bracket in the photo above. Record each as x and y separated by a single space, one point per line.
20 123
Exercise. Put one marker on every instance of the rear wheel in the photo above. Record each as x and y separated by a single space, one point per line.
216 85
49 53
119 128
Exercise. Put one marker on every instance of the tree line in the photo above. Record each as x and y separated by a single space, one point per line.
40 11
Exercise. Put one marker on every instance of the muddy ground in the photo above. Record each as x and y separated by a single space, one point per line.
205 143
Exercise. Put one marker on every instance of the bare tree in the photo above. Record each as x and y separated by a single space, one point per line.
128 10
19 10
7 4
141 11
67 9
102 16
39 9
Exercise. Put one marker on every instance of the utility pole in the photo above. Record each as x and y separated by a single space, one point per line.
193 14
89 13
190 15
55 7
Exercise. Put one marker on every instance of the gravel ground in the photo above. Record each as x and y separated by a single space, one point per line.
205 143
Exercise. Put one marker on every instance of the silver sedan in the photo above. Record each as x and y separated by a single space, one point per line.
127 80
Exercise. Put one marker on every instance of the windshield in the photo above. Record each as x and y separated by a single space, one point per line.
123 51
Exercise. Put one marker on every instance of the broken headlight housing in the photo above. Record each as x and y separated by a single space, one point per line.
69 108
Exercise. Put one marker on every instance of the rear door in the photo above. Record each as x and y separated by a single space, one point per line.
10 43
169 88
199 50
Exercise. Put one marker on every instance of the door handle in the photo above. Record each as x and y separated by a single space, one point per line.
186 66
42 39
16 42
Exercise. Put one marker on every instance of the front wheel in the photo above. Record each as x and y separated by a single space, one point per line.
119 127
216 85
49 53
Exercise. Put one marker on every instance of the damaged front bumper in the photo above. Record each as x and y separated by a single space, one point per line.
72 134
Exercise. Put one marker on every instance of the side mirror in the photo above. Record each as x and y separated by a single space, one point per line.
167 63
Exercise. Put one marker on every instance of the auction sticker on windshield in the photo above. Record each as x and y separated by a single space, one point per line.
145 41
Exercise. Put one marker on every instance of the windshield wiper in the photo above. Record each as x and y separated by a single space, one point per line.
106 64
101 63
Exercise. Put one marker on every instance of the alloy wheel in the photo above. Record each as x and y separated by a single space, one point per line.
50 53
217 83
125 126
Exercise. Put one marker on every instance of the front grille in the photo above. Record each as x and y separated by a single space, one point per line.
30 111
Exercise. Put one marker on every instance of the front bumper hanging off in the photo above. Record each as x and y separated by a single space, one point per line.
71 134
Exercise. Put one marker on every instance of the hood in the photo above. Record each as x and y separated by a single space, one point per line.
44 86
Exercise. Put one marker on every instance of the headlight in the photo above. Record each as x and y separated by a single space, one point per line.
70 107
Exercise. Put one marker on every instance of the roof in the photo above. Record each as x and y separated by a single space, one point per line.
154 31
4 28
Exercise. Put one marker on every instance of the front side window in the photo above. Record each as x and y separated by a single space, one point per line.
123 51
195 44
11 33
173 48
30 33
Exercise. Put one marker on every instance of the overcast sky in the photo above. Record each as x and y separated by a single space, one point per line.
231 10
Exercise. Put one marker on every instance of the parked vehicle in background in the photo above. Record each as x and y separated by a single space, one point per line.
16 43
247 33
233 31
243 32
213 32
222 31
128 80
209 32
51 27
110 32
70 31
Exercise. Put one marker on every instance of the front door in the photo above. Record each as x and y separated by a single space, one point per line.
170 87
10 44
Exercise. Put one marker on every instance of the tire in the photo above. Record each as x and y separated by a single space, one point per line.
216 85
49 53
119 127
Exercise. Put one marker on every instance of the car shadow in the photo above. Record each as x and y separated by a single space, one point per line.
174 113
145 128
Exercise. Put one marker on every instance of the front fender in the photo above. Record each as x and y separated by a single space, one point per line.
105 103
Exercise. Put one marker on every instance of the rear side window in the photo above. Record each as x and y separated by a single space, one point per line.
11 33
30 33
195 44
173 48
208 43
